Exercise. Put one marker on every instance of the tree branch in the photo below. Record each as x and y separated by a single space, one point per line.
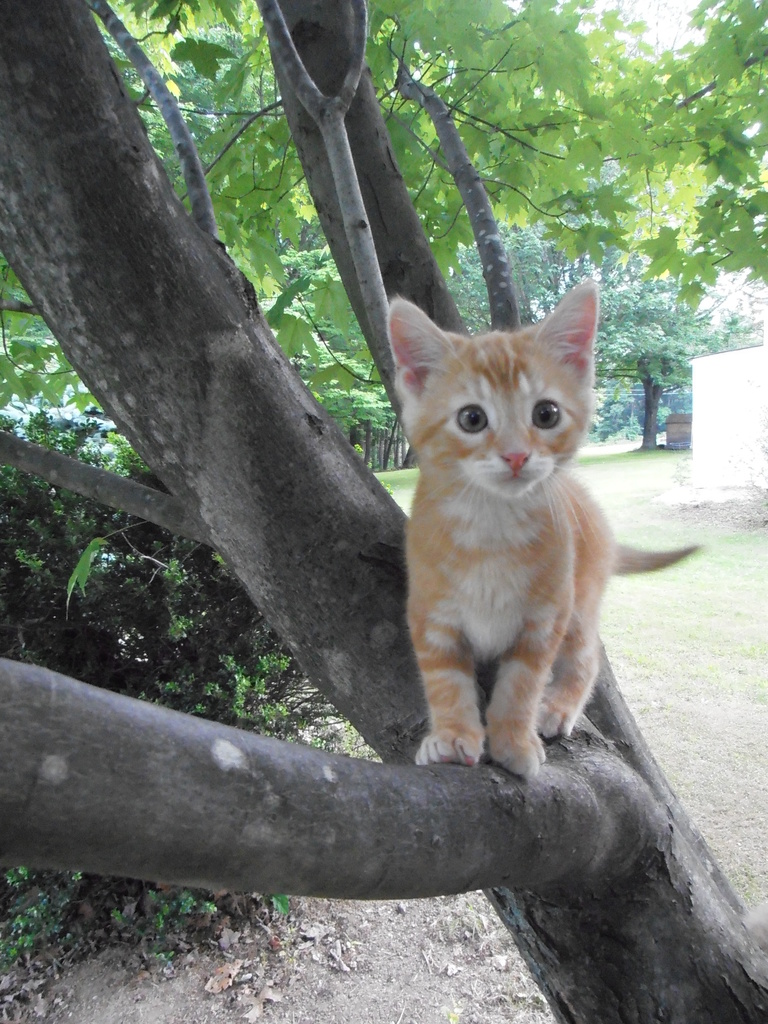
241 131
315 102
408 266
493 256
707 89
100 782
16 306
328 113
110 489
189 160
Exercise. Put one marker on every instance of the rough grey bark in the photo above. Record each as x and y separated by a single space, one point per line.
110 489
169 336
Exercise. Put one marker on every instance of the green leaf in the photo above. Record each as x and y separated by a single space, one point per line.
285 298
333 374
332 303
280 903
295 336
82 570
203 56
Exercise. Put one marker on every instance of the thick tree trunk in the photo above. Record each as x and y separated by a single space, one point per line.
388 446
169 336
653 393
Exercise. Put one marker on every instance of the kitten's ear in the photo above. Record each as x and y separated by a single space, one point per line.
418 345
571 327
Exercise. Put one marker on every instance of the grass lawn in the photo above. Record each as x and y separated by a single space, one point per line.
401 483
704 622
689 647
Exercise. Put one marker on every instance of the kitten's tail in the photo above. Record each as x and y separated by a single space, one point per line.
630 560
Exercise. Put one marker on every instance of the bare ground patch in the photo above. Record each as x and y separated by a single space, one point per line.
419 962
729 508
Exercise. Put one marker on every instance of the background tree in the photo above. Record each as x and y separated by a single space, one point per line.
170 339
647 334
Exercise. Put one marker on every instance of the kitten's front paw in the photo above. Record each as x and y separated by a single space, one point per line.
444 746
523 756
556 719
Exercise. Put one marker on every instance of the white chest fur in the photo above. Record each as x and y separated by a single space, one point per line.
488 604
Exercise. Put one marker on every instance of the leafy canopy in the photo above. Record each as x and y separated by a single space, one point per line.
573 121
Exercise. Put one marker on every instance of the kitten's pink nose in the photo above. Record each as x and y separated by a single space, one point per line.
516 461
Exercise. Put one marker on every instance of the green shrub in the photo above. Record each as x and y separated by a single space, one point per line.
62 911
34 907
160 617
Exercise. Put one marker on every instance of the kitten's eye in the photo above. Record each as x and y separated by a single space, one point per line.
472 419
546 414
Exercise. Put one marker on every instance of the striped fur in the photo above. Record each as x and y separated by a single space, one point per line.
508 556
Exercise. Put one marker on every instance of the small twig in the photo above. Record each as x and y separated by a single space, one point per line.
159 566
707 89
433 155
321 335
189 160
240 131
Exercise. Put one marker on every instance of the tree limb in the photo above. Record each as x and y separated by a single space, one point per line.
707 89
328 113
189 160
286 54
95 781
16 306
117 492
408 266
493 256
250 119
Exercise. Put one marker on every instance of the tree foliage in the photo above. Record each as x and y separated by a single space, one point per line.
570 118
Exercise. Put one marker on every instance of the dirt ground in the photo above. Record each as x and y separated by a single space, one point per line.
420 962
424 961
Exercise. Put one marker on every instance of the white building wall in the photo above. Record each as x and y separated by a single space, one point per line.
730 418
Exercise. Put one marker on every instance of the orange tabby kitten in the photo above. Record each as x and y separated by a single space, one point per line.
508 555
